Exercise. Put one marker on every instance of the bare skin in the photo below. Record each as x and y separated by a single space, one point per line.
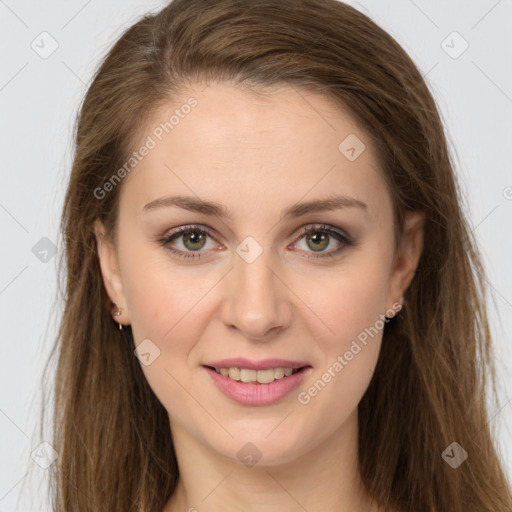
258 156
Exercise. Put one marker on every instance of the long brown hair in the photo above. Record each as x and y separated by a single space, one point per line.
436 363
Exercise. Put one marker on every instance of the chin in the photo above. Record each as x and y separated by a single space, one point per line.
261 445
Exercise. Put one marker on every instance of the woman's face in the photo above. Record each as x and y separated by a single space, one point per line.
245 279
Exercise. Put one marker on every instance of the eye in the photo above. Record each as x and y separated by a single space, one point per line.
319 237
193 239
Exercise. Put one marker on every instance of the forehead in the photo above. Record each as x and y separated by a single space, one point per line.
231 116
282 142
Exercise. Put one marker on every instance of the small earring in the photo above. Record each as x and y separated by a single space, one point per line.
117 312
389 318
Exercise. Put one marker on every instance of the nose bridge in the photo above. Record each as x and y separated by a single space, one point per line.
256 303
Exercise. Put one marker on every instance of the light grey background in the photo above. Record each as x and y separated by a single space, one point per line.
40 96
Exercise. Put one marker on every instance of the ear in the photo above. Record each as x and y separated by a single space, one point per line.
109 264
406 258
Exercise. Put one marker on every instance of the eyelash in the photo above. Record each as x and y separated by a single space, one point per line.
318 228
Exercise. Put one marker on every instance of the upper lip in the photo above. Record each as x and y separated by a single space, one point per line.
241 362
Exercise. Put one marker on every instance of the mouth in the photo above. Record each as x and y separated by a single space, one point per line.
268 384
251 376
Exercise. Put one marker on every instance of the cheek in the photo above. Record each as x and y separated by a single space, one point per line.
345 302
167 307
349 356
166 303
351 305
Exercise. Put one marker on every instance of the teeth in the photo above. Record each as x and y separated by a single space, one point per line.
278 373
265 376
248 375
259 376
234 373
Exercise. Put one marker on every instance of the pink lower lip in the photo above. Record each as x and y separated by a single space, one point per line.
257 394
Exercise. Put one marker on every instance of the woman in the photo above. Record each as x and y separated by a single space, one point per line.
273 299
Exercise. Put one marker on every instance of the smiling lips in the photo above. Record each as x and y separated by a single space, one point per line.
263 372
257 383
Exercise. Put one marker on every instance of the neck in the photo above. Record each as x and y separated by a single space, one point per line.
326 477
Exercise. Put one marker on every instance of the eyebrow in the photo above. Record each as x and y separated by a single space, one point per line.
193 204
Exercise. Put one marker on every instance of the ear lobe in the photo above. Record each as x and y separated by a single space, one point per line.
407 256
109 265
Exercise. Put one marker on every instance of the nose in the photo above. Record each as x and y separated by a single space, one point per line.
257 299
